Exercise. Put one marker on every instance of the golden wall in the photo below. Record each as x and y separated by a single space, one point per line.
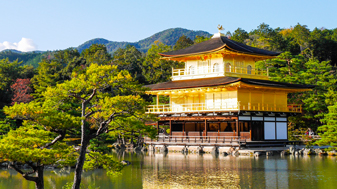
256 97
249 99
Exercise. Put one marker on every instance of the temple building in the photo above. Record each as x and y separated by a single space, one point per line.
220 95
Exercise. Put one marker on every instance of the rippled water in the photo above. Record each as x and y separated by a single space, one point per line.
175 170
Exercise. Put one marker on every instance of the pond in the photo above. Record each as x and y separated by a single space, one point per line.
176 170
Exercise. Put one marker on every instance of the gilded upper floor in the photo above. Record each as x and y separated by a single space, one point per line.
219 57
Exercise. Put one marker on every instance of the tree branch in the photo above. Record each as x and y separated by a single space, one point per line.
58 138
77 97
11 164
25 175
102 127
89 114
91 96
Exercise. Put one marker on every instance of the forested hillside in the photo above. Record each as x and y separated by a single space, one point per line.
168 37
29 58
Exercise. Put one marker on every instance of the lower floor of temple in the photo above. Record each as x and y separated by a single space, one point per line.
265 127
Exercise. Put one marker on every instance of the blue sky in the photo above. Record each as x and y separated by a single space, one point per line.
59 24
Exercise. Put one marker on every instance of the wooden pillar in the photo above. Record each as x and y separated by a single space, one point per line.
157 102
205 127
171 127
237 127
219 128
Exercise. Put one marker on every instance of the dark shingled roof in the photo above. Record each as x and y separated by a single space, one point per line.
207 82
217 44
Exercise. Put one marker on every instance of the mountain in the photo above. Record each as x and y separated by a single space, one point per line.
168 37
27 58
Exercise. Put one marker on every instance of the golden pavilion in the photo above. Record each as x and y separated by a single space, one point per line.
219 96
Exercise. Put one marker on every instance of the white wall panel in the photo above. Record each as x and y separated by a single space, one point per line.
244 118
281 119
281 130
269 130
257 118
269 118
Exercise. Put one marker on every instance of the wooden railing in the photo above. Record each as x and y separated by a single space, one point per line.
197 71
245 70
202 107
220 69
296 108
196 140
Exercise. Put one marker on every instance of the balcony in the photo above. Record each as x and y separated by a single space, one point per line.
208 71
204 108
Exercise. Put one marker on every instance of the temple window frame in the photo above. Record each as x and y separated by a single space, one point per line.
191 70
228 67
249 69
216 67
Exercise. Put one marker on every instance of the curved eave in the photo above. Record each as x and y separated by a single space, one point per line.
191 54
217 50
287 89
230 82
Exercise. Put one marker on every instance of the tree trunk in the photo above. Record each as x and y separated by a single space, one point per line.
80 163
119 140
39 184
84 144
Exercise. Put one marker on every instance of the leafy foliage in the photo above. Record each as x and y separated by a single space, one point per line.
26 144
130 59
29 58
105 161
183 42
328 132
155 69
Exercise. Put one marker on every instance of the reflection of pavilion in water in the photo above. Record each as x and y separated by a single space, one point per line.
208 171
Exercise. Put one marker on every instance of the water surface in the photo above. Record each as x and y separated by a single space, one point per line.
175 170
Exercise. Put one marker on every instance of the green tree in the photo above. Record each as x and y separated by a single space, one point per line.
130 59
9 72
96 54
156 69
55 70
328 132
48 75
301 35
33 146
99 100
324 77
239 35
183 42
199 39
297 70
265 37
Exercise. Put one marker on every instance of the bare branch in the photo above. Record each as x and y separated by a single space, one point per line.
25 175
11 164
78 97
102 128
58 138
91 96
89 114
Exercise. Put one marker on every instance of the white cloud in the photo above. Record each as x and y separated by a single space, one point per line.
24 45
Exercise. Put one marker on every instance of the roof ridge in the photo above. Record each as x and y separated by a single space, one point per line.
236 43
